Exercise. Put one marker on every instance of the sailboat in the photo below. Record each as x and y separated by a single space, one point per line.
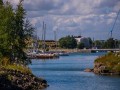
44 54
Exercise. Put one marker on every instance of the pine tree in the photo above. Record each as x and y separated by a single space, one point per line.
14 32
6 16
23 30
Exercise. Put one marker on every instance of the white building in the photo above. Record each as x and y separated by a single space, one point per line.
83 40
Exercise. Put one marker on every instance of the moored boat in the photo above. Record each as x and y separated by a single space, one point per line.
47 56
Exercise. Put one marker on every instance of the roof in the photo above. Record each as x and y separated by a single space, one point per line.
77 36
48 40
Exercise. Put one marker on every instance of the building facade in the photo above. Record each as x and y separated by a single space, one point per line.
84 40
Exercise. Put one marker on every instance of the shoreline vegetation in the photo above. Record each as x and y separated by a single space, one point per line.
108 64
15 33
19 77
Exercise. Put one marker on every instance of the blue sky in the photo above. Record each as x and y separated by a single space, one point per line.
89 18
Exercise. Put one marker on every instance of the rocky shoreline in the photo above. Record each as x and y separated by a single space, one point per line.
108 64
100 69
17 80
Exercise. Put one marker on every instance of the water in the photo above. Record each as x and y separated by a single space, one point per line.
66 73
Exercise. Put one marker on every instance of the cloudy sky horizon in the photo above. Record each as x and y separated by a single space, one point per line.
89 18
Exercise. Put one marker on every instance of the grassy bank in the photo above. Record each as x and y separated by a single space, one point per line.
110 61
16 67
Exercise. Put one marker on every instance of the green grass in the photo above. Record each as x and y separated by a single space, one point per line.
16 67
111 61
6 65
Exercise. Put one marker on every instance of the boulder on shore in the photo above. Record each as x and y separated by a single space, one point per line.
99 68
88 70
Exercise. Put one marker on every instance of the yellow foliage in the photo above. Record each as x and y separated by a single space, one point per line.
5 61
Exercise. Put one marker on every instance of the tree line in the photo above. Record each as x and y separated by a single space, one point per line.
109 43
70 42
15 31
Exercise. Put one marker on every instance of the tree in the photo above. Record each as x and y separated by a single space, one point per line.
15 30
68 42
90 42
110 43
98 43
1 2
6 19
23 31
80 45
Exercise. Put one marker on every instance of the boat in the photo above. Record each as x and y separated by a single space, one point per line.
63 54
46 56
43 54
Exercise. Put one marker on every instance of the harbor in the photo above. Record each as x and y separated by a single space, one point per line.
64 52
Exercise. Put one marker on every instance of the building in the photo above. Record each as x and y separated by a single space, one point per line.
84 40
48 43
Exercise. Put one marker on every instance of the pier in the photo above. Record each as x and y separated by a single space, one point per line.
88 50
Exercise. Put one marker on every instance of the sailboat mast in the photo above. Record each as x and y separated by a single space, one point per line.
44 35
55 39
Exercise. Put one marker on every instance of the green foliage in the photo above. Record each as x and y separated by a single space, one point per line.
80 46
6 18
111 61
68 42
17 67
110 43
15 30
90 41
1 2
98 44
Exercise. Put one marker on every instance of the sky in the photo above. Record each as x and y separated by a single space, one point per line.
88 18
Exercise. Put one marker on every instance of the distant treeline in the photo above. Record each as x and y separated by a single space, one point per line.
70 42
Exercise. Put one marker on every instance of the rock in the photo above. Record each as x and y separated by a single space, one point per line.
88 70
99 68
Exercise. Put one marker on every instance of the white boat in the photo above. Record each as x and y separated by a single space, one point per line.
46 55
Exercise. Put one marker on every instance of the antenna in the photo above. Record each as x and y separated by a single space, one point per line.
43 35
114 24
42 30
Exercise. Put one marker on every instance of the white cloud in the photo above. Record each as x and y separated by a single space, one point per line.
112 15
72 15
13 1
